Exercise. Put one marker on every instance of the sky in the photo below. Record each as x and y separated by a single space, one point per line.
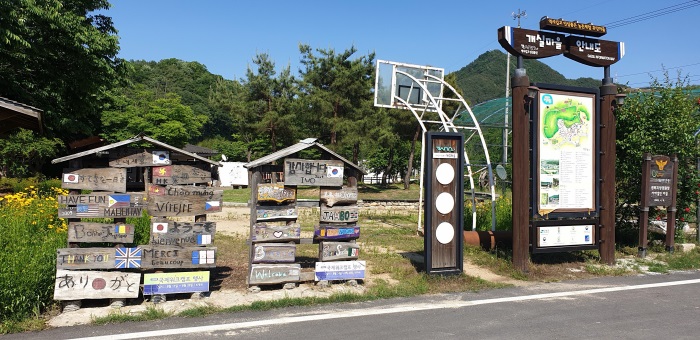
225 35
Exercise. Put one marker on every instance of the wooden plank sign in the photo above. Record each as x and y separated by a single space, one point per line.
272 213
181 234
336 232
269 192
274 273
106 205
174 200
179 282
106 179
341 270
81 285
100 232
129 158
274 252
178 257
345 195
335 251
98 258
180 174
313 172
340 214
270 233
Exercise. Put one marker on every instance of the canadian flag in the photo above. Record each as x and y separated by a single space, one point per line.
70 178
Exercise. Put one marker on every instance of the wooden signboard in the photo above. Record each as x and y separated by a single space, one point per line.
659 189
180 174
341 270
274 273
179 282
100 232
263 232
98 258
274 252
105 205
106 179
273 213
339 214
178 257
336 251
344 195
82 285
184 200
594 52
129 158
269 192
313 172
181 234
336 232
531 44
573 27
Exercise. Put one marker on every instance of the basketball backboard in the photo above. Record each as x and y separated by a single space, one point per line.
398 85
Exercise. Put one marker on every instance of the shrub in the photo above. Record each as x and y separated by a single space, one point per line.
504 215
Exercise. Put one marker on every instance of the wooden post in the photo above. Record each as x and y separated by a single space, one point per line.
254 180
671 217
606 246
644 216
521 169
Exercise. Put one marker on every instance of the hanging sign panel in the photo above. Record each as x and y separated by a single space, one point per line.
313 172
179 282
531 44
106 179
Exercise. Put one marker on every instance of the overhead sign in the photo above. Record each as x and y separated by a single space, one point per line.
529 43
573 27
594 52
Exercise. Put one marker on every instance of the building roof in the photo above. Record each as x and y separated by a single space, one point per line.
200 150
293 149
138 138
17 115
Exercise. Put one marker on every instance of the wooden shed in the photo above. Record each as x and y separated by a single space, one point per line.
17 115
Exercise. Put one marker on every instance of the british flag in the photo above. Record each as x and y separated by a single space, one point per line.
127 258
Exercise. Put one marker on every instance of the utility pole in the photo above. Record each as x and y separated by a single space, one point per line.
516 16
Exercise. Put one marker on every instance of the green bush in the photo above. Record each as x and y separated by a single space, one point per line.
504 215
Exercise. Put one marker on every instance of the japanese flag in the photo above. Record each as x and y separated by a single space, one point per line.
160 228
70 178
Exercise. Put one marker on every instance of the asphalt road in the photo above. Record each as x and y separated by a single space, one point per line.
637 307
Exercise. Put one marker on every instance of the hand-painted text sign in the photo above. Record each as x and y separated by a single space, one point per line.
180 174
182 234
98 258
337 232
341 270
313 172
107 179
274 273
270 233
175 200
181 282
81 285
178 257
271 213
274 252
345 195
339 214
594 52
108 205
660 181
336 251
275 193
573 27
531 44
129 158
100 232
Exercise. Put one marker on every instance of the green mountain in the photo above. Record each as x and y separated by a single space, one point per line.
485 78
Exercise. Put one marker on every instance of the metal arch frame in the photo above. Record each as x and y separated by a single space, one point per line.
448 125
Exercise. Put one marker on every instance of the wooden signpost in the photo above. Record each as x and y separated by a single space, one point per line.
313 172
336 232
344 195
274 273
339 214
273 213
98 258
262 232
181 234
274 253
107 179
659 187
101 205
100 232
180 174
129 158
184 200
275 193
338 251
178 257
78 285
179 282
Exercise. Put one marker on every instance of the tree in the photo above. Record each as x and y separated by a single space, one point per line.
660 121
59 56
23 153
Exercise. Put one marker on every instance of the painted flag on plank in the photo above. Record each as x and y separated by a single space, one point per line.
156 190
87 210
203 239
119 201
127 258
162 171
71 178
334 171
161 157
212 206
121 229
203 257
160 228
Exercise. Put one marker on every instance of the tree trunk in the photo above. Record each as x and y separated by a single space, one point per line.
335 118
355 152
407 178
389 166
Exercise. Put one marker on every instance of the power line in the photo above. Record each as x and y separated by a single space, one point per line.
663 69
653 14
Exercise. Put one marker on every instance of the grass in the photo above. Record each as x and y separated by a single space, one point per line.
365 192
